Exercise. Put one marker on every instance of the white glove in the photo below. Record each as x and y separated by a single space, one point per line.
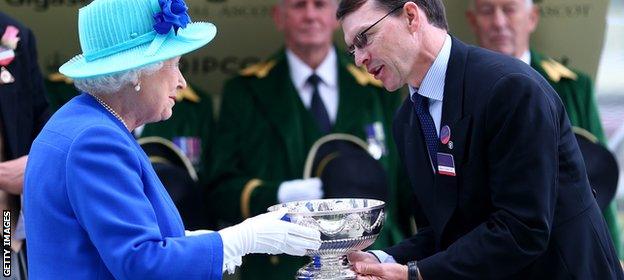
301 189
267 234
229 266
196 232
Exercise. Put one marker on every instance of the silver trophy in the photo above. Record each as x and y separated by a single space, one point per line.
346 225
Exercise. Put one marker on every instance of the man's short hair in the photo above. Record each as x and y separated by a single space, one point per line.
434 9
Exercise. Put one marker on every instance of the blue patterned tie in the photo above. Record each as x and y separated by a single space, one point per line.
421 106
317 108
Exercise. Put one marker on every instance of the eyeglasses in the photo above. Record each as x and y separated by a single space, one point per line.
361 40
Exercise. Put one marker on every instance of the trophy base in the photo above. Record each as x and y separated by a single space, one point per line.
327 268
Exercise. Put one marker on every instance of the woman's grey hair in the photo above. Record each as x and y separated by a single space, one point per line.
112 83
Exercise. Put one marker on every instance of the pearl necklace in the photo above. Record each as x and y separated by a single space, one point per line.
110 110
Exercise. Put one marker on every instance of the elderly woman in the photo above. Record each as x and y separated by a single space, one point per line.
94 206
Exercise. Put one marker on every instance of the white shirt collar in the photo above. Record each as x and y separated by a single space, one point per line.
526 57
300 72
432 85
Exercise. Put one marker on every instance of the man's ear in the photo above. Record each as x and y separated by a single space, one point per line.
278 16
534 17
471 17
412 16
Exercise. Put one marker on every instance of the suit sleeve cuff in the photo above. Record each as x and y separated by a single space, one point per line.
382 256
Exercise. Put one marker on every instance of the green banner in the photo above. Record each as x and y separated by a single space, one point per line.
570 30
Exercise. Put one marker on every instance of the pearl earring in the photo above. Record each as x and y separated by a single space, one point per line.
137 88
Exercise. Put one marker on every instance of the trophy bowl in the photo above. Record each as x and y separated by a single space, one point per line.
346 224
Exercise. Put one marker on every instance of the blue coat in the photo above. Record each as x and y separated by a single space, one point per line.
520 206
95 209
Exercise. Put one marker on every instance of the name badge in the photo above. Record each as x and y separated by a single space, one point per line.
446 164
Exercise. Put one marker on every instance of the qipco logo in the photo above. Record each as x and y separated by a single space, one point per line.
228 65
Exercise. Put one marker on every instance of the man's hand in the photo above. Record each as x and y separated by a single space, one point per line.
380 271
363 257
12 175
368 267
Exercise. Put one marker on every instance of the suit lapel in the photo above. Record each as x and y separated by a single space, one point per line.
445 191
415 158
277 98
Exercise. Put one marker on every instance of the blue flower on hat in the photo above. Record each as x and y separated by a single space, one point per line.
174 14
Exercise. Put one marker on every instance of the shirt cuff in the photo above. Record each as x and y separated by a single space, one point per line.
382 256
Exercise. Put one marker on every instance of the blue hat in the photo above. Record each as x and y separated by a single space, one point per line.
119 35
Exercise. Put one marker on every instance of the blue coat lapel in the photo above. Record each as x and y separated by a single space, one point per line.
437 194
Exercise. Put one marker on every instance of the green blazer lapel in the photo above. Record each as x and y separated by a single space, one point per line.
351 101
552 70
277 98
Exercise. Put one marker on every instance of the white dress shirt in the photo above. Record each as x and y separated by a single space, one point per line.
432 86
526 57
328 88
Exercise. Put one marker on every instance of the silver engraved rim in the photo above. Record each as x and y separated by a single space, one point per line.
374 205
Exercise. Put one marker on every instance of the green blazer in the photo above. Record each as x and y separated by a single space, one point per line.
264 134
59 90
577 93
190 127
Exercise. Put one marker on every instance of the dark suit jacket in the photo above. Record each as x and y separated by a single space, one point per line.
23 107
520 206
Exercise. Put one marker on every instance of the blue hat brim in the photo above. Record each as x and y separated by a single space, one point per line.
188 39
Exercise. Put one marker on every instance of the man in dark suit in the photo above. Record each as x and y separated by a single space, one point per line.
499 182
23 112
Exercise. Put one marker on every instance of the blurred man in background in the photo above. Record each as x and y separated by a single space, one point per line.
505 26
